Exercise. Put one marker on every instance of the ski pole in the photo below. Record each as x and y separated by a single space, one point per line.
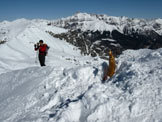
36 58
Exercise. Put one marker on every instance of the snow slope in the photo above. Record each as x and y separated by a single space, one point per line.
69 88
21 37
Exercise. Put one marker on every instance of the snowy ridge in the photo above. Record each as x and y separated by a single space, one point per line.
69 88
21 37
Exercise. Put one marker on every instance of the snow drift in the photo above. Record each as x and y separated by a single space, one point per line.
69 88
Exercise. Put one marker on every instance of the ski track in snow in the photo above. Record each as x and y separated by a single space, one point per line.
69 88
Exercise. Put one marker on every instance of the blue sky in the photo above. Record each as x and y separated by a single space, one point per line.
53 9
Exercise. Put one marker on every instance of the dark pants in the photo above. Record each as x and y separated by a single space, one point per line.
42 59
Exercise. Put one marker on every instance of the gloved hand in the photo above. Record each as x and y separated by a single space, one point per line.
35 45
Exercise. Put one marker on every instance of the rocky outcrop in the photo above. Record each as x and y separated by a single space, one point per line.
99 43
2 42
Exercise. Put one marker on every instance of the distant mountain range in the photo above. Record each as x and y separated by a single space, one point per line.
95 34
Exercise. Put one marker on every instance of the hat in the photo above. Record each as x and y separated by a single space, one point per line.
41 41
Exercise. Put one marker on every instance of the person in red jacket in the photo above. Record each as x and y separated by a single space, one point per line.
42 52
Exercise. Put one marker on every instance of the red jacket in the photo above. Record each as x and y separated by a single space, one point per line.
42 49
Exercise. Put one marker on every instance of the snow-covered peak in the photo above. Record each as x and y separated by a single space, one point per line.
97 26
20 20
159 21
83 16
84 22
4 22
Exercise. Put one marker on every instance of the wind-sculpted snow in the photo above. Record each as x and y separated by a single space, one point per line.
76 94
69 88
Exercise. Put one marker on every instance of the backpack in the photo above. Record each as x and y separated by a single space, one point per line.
47 48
